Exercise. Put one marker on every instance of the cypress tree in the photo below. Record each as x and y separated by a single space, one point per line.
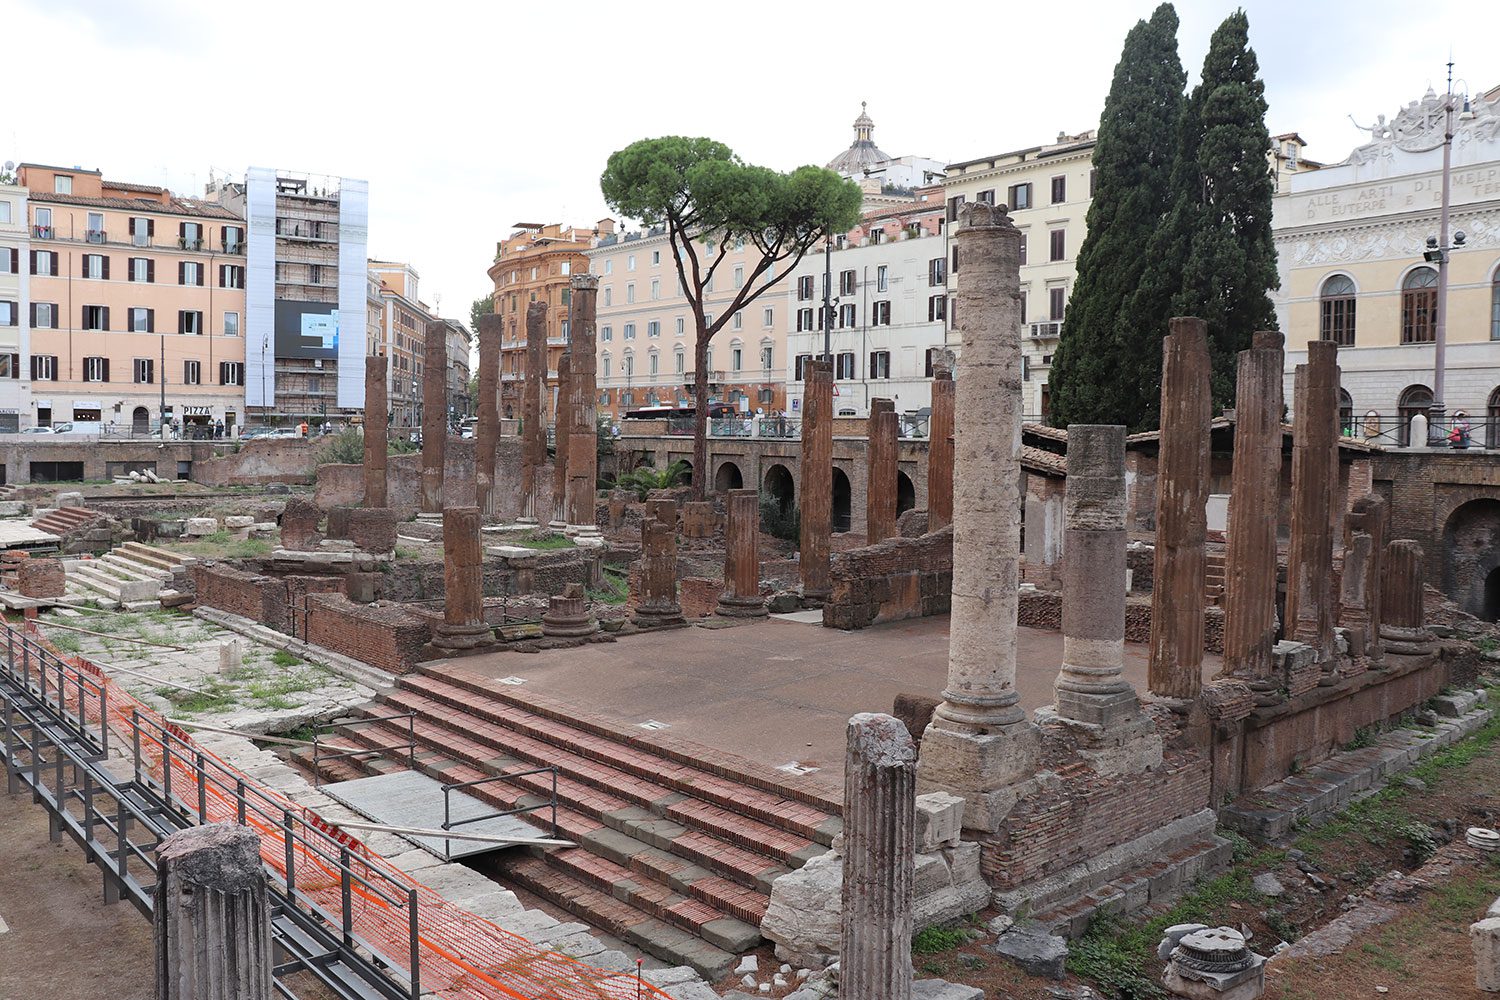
1223 191
1093 371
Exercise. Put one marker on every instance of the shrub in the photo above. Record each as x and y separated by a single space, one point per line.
780 520
644 480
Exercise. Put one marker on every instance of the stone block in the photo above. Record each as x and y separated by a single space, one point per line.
236 521
915 710
196 527
939 821
41 578
73 499
1484 940
1033 949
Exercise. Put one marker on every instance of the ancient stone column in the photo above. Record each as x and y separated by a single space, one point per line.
583 442
940 452
487 434
375 430
1091 687
568 615
463 625
1182 485
741 597
875 930
980 742
562 431
1254 510
434 418
1359 583
1403 628
534 426
212 916
658 604
881 452
817 482
1309 570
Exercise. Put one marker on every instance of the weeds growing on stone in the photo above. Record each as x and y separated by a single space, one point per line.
932 940
284 659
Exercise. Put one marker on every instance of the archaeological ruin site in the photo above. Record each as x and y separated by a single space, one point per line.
852 711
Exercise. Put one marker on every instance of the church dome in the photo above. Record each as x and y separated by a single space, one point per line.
863 153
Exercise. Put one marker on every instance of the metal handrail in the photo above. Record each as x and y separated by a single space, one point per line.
410 746
449 822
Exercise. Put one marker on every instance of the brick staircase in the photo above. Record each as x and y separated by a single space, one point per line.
677 847
65 519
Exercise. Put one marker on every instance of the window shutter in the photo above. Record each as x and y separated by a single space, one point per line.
105 258
150 269
33 260
182 321
106 368
223 236
130 267
150 320
182 230
33 319
34 360
150 228
53 254
200 275
182 272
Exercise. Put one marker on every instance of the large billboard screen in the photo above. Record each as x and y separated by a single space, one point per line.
307 329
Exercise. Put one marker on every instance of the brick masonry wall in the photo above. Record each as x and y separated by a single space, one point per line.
41 578
260 461
895 579
382 635
1043 609
274 601
699 596
344 485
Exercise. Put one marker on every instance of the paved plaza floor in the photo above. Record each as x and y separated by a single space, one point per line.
775 692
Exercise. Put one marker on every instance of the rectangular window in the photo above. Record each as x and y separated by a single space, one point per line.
43 316
629 331
231 373
767 355
190 321
955 260
96 369
736 359
231 276
846 283
10 258
43 228
880 364
44 368
630 263
739 276
629 365
62 184
987 197
937 308
567 267
44 262
192 373
145 370
142 269
768 317
804 288
606 332
190 236
5 212
804 320
654 363
882 278
738 322
141 230
189 272
609 267
680 362
95 265
655 257
10 314
630 292
234 239
1059 244
1024 241
142 320
847 316
803 360
1059 190
954 204
1056 300
96 317
937 271
880 313
653 328
655 289
1020 196
231 324
10 367
845 367
1023 297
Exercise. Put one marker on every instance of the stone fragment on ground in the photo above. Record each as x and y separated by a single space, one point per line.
1035 951
1267 884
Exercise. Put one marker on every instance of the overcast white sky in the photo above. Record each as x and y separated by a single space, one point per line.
469 117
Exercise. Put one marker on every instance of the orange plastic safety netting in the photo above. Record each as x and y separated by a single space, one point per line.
458 954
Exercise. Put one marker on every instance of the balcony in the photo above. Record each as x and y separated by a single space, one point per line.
1044 331
41 232
140 239
234 248
95 236
186 243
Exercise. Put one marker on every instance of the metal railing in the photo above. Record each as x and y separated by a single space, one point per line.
449 822
1395 431
321 754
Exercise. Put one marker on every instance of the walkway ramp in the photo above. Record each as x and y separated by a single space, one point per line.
414 800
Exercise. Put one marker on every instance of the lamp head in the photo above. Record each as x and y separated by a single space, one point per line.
1432 242
1459 238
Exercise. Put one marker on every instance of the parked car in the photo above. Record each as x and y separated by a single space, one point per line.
260 431
64 428
37 430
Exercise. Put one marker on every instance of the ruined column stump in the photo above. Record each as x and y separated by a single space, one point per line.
568 615
1403 628
434 420
657 606
583 444
487 433
940 452
212 916
816 509
1362 581
741 597
881 452
879 860
1309 568
533 425
375 441
980 745
562 433
463 627
1175 672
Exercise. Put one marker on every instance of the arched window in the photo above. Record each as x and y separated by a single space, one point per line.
1419 306
1338 310
1492 420
1495 306
1415 399
1346 413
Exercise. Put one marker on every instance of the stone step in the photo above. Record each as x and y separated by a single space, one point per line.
110 584
150 555
684 768
670 801
65 519
140 570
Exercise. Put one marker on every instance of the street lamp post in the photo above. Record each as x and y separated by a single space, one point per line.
1437 252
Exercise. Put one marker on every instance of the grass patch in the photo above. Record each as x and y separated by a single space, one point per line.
1363 738
545 540
284 659
933 940
67 642
616 590
216 697
248 548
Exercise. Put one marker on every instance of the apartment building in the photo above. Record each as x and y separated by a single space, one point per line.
15 311
534 264
404 340
1048 190
136 304
890 308
306 259
460 342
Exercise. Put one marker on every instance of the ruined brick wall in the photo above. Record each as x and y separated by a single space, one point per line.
1043 609
895 579
41 578
258 462
371 529
699 596
382 635
228 589
344 485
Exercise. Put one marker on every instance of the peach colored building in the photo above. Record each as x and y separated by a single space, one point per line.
534 264
137 304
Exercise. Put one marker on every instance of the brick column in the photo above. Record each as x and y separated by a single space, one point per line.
583 444
880 459
1359 583
434 418
562 434
741 597
980 742
879 860
1091 687
1176 668
817 482
940 452
487 434
657 604
1309 571
1254 509
534 427
212 916
1403 628
375 430
463 625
